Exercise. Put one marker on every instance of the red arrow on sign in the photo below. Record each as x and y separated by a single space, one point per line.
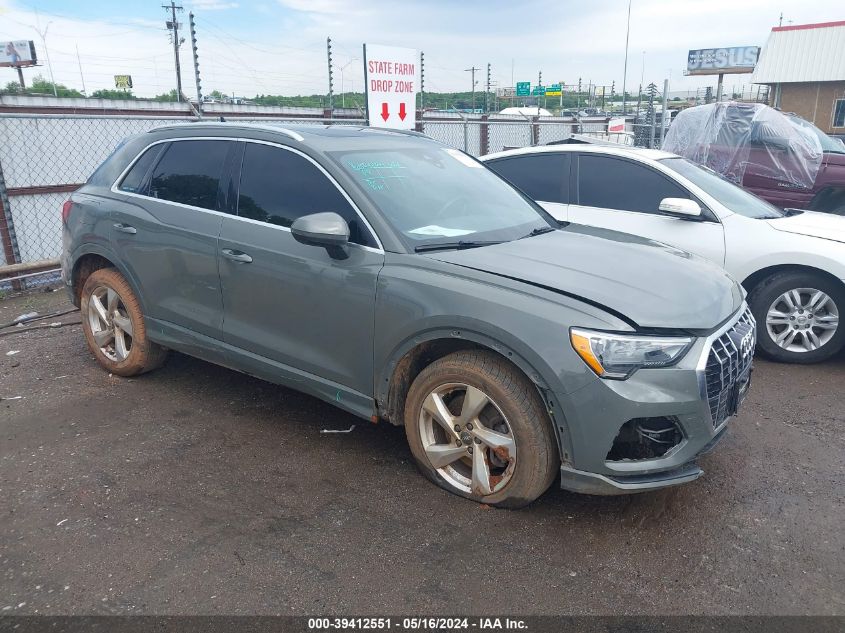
384 113
402 113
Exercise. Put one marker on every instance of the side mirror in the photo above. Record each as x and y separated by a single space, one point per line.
680 206
328 230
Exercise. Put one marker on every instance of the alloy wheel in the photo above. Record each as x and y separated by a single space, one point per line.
468 439
110 324
802 320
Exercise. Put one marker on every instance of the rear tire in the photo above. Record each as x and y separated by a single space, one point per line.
505 453
795 322
114 326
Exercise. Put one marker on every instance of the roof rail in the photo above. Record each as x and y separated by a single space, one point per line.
295 136
393 131
223 123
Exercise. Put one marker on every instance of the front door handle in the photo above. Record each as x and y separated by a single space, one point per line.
236 256
125 228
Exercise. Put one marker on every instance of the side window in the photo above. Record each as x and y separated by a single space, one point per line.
189 173
839 113
136 180
613 183
278 186
544 177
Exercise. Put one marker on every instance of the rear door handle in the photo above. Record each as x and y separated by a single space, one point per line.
236 256
125 228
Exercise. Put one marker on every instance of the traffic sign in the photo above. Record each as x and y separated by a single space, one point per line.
539 91
553 90
391 75
523 88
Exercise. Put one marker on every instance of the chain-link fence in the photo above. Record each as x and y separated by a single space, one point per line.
45 157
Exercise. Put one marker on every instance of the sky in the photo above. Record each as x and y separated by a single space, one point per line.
279 46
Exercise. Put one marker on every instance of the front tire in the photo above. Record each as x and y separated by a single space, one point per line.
114 325
477 427
798 317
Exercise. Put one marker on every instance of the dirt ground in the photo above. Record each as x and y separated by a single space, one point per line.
198 490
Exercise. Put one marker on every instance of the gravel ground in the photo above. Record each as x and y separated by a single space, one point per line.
198 490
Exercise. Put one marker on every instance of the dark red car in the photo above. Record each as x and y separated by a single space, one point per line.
780 157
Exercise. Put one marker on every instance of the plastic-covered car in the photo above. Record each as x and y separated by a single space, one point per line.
780 157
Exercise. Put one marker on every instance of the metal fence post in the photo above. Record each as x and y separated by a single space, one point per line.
535 131
665 111
466 135
484 141
7 229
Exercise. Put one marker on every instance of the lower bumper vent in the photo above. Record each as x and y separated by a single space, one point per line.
645 438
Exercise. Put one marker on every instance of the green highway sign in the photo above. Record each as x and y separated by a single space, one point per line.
553 90
523 88
539 91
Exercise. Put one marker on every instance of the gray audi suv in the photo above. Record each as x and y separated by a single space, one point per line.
401 280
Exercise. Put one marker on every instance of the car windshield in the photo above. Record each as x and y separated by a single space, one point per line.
829 144
735 198
438 196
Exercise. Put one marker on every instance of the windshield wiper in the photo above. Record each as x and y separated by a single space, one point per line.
462 244
539 231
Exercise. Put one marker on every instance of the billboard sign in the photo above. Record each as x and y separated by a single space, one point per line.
523 88
717 61
123 81
391 75
553 90
18 53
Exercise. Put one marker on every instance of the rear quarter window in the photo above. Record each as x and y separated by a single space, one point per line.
135 180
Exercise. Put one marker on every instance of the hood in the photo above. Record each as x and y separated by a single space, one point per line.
814 224
647 283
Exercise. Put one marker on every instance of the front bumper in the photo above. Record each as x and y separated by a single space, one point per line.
683 394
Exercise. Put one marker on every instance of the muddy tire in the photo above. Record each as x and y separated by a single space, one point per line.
114 325
477 427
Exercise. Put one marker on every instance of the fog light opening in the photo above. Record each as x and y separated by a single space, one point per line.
645 438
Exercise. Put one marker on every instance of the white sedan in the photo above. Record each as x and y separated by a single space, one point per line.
792 263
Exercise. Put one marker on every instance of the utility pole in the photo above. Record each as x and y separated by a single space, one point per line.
539 83
81 76
625 70
343 83
331 82
193 26
665 111
487 92
43 34
472 70
173 25
422 81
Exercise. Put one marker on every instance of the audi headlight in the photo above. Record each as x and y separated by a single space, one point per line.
618 356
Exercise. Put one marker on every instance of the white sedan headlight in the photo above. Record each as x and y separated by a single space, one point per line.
618 356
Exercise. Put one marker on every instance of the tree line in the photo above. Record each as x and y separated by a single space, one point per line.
430 100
